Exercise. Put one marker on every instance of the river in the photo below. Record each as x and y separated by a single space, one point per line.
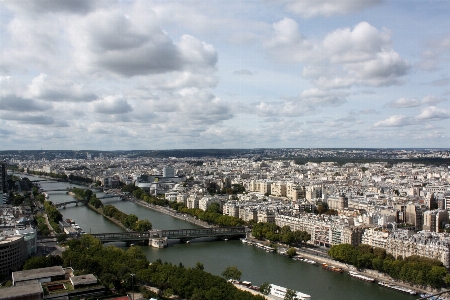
256 265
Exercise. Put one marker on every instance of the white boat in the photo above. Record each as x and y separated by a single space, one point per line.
359 276
397 288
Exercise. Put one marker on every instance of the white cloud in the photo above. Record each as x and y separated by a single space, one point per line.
112 105
404 103
327 8
395 121
315 97
347 56
107 40
59 90
433 112
287 43
408 103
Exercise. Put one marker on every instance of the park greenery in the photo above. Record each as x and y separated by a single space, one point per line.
113 267
274 233
42 225
43 262
130 221
53 215
87 195
417 270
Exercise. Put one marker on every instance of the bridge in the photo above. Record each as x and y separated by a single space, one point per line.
183 235
57 190
63 204
109 196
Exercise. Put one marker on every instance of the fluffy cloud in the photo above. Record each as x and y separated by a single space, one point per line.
276 109
404 103
141 49
348 56
58 90
18 104
408 103
112 105
287 43
327 8
434 113
395 121
315 97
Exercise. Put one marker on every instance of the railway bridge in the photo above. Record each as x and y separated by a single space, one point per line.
157 237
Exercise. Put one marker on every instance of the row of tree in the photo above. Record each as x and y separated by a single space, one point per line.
213 213
274 233
53 215
114 266
88 195
130 221
413 269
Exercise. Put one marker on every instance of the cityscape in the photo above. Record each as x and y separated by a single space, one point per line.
224 150
392 199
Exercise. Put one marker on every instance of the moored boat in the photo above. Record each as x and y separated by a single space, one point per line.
359 276
397 288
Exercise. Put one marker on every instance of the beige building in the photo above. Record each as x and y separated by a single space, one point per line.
278 189
433 220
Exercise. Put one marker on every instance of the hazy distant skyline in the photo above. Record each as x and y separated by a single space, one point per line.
120 75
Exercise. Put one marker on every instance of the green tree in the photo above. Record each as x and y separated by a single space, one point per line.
61 238
199 266
291 252
265 288
290 295
232 272
143 225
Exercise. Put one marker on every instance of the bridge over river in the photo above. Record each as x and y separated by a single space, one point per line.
183 235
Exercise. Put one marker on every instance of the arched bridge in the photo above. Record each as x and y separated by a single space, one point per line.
181 234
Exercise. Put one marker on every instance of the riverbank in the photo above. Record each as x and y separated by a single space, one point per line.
377 276
100 211
171 212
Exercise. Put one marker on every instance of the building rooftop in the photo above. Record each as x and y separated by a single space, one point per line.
37 273
21 291
83 280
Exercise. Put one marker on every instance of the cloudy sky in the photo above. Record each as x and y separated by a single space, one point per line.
111 75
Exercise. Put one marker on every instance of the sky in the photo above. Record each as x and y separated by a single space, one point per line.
137 75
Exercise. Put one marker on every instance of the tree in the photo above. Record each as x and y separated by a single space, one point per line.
61 238
290 295
291 252
143 225
232 272
265 288
199 266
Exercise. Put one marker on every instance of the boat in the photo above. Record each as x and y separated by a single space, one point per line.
332 268
397 288
359 276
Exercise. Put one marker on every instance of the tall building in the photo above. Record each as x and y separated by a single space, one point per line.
3 176
168 172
